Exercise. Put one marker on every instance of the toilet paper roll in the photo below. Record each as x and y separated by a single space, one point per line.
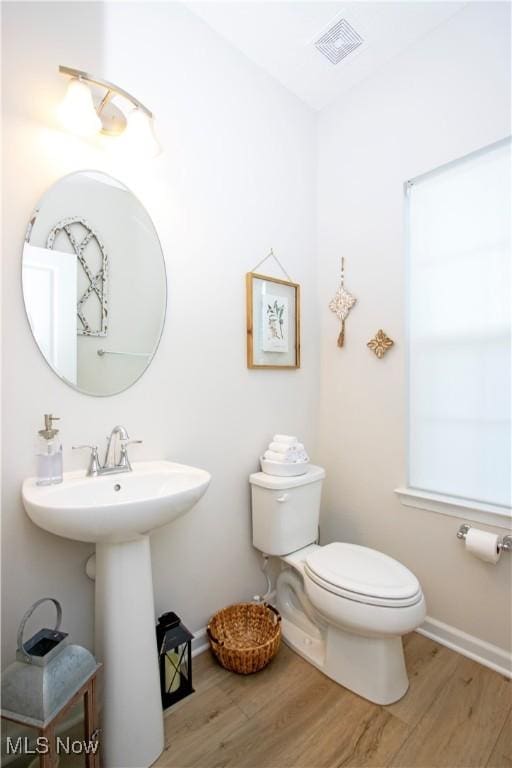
484 545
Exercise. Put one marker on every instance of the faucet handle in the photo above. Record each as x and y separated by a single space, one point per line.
124 461
94 463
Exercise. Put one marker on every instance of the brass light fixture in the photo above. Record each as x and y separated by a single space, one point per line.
89 109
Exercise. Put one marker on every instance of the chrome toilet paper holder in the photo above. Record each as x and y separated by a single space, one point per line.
504 544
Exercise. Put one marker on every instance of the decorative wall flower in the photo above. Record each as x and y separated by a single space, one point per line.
380 343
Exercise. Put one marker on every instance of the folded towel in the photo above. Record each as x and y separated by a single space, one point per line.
290 439
298 456
292 457
273 456
285 447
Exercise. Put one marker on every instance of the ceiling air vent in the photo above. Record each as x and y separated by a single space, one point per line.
339 42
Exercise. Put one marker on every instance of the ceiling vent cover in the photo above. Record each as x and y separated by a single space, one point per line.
339 42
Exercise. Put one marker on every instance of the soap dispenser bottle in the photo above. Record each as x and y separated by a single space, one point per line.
49 453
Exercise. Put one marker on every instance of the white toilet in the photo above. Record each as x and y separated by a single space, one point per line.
344 607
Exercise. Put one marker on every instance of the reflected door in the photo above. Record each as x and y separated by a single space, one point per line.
50 291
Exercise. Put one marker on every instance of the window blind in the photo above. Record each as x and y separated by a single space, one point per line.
459 327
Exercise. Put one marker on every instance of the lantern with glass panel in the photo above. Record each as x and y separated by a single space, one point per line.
174 658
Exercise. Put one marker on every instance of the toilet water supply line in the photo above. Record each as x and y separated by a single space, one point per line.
270 593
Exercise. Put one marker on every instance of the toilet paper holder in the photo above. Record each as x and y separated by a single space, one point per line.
504 544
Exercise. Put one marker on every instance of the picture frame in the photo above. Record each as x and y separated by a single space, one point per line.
273 322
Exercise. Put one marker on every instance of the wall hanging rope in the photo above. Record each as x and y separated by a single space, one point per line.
272 255
342 303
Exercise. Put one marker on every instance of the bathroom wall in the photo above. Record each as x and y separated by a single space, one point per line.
237 177
445 97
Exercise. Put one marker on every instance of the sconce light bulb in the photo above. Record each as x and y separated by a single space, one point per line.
138 137
77 113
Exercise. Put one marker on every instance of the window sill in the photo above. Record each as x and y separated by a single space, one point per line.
488 514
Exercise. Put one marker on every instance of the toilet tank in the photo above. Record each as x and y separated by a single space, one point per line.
285 510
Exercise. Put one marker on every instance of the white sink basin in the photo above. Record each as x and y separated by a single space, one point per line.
118 512
115 508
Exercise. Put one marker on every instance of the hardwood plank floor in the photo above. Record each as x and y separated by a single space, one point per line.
463 724
456 714
429 665
501 756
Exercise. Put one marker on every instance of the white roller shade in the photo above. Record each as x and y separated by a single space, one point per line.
459 306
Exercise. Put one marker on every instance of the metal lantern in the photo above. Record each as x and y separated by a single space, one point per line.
174 658
47 673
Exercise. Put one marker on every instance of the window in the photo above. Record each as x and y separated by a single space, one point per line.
459 306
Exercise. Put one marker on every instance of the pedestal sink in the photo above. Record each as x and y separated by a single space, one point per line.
117 512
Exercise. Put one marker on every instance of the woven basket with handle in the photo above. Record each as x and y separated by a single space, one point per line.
245 637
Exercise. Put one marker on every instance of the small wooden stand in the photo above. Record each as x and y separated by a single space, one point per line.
88 692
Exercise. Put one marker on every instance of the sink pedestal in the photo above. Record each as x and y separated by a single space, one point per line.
132 727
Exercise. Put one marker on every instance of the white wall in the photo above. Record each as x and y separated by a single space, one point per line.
237 177
445 97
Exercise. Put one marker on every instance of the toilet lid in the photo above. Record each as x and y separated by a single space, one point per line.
362 573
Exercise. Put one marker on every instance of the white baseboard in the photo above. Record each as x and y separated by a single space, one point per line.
200 642
479 650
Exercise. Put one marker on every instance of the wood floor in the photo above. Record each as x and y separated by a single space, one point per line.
456 714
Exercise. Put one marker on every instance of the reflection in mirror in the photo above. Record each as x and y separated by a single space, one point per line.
94 283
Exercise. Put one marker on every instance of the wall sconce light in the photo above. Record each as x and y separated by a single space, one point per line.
89 112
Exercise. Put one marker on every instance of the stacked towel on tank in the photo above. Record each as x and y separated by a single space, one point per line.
285 449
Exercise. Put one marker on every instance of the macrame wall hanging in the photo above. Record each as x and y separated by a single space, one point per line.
341 304
95 295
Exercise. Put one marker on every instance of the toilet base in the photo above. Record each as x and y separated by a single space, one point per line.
372 667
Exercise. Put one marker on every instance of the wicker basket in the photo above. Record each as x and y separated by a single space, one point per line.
245 637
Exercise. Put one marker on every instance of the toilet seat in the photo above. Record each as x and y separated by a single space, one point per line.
363 575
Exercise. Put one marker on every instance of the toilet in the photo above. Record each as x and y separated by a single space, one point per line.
344 607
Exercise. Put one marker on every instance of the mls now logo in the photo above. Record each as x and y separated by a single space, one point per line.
24 745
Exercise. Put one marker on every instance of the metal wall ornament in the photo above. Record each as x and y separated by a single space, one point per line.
341 304
380 343
98 281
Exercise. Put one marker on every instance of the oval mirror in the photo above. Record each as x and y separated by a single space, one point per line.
94 283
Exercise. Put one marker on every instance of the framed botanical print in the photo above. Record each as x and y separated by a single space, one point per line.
273 322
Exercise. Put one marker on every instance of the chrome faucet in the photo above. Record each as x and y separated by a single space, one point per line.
118 437
116 455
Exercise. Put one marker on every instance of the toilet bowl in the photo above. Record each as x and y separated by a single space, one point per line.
344 607
357 616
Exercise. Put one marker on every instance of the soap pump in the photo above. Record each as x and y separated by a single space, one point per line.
49 454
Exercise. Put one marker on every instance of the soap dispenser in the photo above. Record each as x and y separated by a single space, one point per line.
49 453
